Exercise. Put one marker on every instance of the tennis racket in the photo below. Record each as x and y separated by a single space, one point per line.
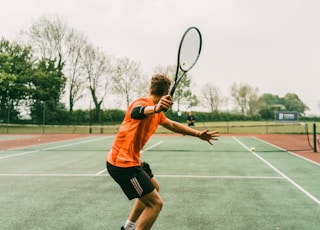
188 54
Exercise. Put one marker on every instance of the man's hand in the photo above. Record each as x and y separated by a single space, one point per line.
164 104
208 136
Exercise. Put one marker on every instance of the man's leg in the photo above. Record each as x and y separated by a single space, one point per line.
139 206
153 205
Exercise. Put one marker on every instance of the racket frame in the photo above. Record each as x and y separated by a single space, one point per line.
178 78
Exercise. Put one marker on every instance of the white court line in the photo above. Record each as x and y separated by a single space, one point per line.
160 176
280 173
292 153
150 147
45 175
56 147
221 177
99 173
19 154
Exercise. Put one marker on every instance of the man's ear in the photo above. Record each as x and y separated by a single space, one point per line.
167 92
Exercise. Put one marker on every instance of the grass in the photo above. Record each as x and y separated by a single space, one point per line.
235 127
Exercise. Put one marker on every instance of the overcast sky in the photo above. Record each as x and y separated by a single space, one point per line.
270 44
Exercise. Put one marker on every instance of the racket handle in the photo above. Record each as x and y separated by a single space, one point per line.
172 90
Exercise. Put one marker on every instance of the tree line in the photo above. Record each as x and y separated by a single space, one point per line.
50 60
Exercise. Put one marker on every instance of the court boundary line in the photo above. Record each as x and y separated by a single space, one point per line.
308 194
292 153
46 175
51 148
158 176
150 147
219 177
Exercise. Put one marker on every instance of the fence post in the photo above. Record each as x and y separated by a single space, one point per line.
314 137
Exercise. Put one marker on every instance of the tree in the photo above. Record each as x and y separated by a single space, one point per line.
98 71
26 81
211 97
15 72
52 39
253 102
47 36
293 103
268 104
6 81
246 98
76 81
47 84
183 95
128 79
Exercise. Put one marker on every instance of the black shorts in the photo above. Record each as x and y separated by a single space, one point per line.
135 182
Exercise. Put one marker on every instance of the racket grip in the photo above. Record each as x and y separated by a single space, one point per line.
172 90
171 94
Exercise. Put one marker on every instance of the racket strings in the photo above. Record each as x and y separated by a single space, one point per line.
190 49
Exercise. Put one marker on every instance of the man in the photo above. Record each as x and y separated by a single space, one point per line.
123 161
190 119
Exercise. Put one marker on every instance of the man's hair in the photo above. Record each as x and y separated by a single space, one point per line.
160 83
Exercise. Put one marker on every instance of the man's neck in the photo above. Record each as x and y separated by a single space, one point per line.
155 98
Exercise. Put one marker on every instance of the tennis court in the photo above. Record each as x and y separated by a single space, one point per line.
63 185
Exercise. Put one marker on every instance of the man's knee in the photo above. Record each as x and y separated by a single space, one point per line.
153 200
159 205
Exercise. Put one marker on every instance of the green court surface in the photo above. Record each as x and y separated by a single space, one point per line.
64 185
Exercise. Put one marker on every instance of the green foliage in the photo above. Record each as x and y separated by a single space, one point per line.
47 81
269 104
114 116
46 86
15 72
23 79
293 103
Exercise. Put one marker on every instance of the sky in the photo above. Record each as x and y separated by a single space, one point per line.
270 44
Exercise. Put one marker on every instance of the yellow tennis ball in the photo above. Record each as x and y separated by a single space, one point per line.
253 149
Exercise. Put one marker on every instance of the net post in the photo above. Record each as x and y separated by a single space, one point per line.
314 137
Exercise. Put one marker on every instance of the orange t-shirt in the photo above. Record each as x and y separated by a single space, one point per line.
133 135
